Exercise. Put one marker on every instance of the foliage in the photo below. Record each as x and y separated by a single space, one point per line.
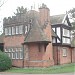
5 62
72 16
20 10
67 68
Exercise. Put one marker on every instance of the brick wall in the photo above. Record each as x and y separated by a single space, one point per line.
14 42
17 63
36 57
11 41
65 59
58 55
73 55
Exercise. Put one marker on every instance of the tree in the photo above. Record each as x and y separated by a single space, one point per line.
2 2
72 17
20 10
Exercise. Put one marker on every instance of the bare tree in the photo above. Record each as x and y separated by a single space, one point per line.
2 2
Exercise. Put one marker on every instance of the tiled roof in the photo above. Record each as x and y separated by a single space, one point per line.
1 38
57 19
36 34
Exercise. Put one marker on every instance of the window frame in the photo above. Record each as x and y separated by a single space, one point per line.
20 53
13 30
17 54
17 30
21 29
64 52
6 31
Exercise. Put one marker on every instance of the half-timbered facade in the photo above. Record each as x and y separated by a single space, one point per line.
62 43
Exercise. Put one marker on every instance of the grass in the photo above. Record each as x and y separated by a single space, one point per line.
67 68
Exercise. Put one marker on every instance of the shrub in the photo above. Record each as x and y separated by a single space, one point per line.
5 62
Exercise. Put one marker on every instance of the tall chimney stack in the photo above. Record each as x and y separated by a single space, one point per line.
44 13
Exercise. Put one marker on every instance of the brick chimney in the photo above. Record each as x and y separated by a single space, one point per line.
44 13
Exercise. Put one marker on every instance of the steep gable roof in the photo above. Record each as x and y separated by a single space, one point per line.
60 19
36 34
57 19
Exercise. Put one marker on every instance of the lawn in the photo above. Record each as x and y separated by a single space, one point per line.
50 70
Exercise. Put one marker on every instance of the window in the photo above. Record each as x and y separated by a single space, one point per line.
25 29
58 32
28 27
64 51
21 53
13 53
21 29
53 40
17 30
13 30
6 31
17 53
6 50
9 31
66 32
9 54
53 29
66 40
9 50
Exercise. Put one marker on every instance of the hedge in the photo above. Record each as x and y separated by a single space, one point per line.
5 61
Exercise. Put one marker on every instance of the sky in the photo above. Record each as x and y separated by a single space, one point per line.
56 6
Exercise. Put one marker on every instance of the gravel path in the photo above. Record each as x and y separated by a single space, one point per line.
5 73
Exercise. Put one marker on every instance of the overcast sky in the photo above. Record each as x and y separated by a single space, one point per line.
55 6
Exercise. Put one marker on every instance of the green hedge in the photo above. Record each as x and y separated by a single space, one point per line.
5 62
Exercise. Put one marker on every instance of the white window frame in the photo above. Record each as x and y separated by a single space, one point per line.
53 40
9 50
5 50
17 53
64 52
17 29
13 53
53 29
20 29
8 54
58 32
9 30
13 30
6 31
66 32
66 40
26 29
21 53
